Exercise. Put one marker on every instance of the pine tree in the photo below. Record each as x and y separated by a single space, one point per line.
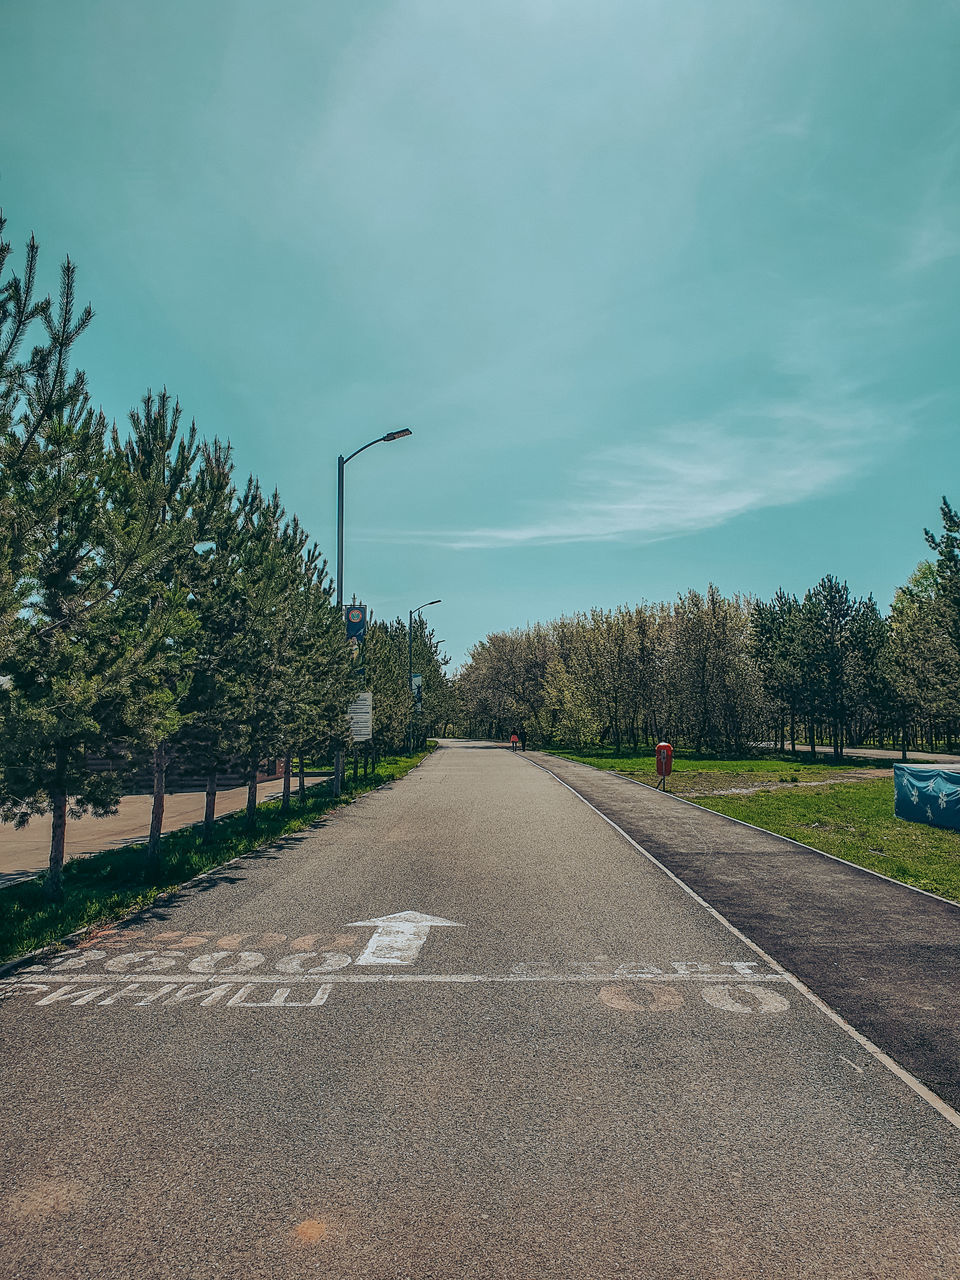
153 491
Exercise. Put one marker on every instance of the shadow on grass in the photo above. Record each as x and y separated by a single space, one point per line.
100 888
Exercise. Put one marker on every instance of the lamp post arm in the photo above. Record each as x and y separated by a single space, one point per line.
391 435
368 445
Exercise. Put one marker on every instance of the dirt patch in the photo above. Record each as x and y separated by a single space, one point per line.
697 784
45 1198
849 775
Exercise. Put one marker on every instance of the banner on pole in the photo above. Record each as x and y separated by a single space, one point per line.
356 621
416 685
360 712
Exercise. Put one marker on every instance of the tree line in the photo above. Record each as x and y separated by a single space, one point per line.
154 608
724 674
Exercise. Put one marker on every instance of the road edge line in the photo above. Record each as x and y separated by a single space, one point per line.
923 1091
767 832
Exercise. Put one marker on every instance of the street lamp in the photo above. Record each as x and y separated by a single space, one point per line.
341 463
410 655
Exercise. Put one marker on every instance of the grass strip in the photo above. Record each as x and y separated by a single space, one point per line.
855 821
103 887
851 819
700 775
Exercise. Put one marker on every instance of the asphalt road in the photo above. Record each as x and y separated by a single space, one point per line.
574 1069
882 954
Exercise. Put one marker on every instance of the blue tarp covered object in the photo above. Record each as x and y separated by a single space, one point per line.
927 795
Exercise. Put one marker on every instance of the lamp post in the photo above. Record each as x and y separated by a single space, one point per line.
341 463
416 611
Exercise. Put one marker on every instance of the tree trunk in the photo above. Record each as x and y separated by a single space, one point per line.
159 795
301 779
793 732
287 767
58 797
252 794
209 806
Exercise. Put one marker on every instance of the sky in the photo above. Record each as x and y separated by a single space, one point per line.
667 291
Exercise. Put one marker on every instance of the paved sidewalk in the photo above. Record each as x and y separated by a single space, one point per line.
26 852
883 955
825 755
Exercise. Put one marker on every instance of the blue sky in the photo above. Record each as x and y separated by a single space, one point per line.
667 291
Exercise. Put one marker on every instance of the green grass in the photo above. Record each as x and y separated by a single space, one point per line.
855 821
696 775
106 886
845 810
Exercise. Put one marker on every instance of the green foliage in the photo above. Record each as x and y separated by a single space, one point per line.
855 822
148 610
619 677
387 658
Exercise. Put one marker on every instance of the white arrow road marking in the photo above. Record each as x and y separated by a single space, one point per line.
398 938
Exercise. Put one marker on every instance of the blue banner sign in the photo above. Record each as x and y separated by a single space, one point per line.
356 615
927 795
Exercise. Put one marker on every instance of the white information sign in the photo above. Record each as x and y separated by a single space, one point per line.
361 717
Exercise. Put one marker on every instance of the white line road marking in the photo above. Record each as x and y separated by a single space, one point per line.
399 938
850 1063
365 978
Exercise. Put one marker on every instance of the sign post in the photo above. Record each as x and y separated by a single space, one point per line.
360 712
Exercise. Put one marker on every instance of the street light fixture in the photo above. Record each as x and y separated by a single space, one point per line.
410 655
342 461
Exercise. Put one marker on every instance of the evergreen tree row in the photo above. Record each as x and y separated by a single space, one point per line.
154 613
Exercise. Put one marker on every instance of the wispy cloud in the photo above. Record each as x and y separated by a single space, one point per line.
934 234
694 476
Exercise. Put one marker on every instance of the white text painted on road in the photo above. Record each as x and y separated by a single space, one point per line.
165 971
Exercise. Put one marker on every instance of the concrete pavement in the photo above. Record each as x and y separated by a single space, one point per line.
461 1028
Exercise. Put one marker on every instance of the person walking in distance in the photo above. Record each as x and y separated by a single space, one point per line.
523 738
514 740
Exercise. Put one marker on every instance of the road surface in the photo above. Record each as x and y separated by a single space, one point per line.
825 754
26 851
463 1028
